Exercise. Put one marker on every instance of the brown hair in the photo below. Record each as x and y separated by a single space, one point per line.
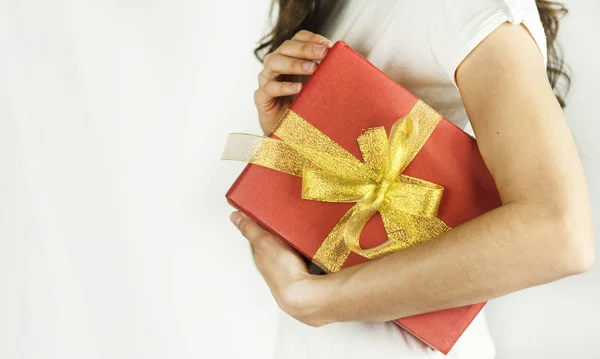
296 15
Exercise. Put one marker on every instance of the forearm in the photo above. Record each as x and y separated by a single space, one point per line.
512 247
542 232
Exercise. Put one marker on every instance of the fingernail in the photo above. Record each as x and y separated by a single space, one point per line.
319 50
326 42
295 87
309 66
236 218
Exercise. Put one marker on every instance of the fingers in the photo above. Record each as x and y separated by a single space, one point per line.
303 49
293 57
276 89
264 244
272 89
249 229
260 239
305 35
283 69
276 64
275 260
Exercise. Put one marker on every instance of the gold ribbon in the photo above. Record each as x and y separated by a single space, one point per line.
408 206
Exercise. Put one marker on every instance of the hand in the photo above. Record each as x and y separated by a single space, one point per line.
275 90
296 291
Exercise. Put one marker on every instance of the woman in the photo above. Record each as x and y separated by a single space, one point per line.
489 64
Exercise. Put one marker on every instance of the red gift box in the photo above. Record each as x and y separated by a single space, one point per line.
344 97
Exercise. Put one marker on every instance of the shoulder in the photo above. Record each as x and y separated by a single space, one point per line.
457 27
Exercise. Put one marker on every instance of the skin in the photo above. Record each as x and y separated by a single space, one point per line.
542 232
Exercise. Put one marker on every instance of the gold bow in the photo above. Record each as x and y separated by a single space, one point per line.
408 206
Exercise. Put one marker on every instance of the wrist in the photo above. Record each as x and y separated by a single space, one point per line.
311 300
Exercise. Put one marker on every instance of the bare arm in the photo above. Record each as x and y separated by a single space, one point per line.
542 232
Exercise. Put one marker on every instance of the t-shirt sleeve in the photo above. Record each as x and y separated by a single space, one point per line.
460 26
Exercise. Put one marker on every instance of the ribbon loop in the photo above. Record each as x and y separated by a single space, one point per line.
424 198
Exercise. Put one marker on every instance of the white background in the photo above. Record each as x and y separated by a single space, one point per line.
114 232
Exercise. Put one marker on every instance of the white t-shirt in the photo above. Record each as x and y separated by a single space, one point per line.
419 44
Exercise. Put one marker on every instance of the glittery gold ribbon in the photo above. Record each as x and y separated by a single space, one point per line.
408 206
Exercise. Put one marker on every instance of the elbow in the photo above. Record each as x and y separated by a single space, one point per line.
577 259
575 252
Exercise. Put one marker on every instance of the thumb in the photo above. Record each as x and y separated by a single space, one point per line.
258 237
272 256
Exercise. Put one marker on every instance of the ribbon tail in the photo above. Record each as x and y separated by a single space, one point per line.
333 252
264 151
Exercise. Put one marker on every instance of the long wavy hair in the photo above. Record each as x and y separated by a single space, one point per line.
296 15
